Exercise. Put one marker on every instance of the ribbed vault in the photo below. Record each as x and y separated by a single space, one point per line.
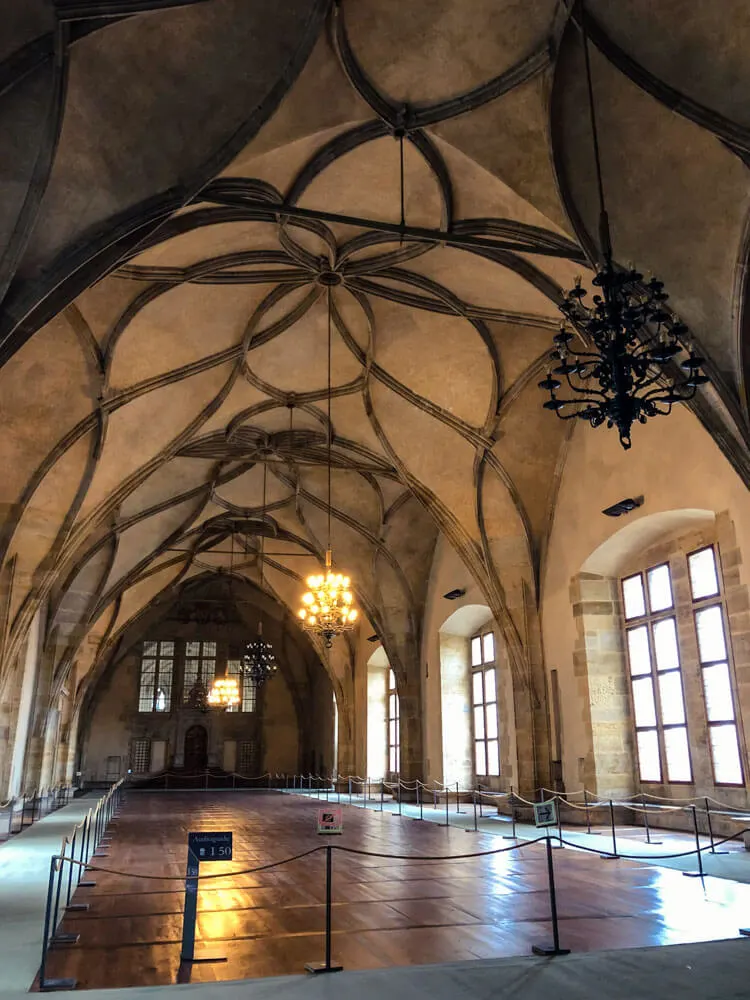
164 326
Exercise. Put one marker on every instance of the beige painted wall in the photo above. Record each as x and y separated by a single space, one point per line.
676 466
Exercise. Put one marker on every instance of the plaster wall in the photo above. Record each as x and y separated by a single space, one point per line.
279 728
676 466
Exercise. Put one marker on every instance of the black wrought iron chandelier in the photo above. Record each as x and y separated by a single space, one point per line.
628 369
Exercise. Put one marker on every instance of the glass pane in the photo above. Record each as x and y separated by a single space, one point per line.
149 649
632 595
493 757
678 758
148 668
209 649
392 709
710 634
192 649
391 680
672 704
392 766
479 723
643 702
490 689
704 581
161 701
648 756
166 648
476 651
665 645
659 588
392 733
476 681
488 647
479 763
725 754
640 658
718 691
492 722
208 672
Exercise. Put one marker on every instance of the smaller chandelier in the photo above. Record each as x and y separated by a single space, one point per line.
258 661
628 376
328 610
224 693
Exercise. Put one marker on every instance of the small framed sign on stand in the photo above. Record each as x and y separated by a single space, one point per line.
330 821
202 847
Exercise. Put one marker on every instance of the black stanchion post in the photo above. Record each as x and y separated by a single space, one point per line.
481 814
711 830
419 800
381 796
614 836
327 966
474 804
512 835
559 822
698 853
399 796
447 806
71 866
645 818
555 949
61 938
588 814
350 791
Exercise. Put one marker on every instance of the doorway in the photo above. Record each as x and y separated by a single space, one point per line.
196 749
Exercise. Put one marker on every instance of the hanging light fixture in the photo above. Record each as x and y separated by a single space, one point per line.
258 660
630 375
224 693
328 605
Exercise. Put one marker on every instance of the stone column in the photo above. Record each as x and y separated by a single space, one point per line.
601 675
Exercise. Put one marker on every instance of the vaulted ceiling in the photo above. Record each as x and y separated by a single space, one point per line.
175 180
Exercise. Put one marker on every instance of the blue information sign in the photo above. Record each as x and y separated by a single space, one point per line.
211 846
201 847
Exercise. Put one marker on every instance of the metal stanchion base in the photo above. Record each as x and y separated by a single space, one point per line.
100 854
547 950
317 967
470 830
609 857
86 883
58 984
745 931
65 939
77 907
694 874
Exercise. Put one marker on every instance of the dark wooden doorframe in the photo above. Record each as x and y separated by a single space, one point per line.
196 749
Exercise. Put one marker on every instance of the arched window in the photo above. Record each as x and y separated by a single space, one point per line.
200 664
656 641
484 705
394 734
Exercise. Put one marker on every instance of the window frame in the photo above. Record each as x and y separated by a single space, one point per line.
202 658
487 705
393 748
247 685
698 604
649 619
160 674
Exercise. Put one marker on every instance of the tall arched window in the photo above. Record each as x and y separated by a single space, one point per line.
394 734
157 665
655 641
484 706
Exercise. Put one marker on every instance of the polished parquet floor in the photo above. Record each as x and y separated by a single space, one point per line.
386 912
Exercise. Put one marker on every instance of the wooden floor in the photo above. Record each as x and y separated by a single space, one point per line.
386 912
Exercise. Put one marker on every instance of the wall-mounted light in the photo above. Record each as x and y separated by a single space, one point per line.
453 595
623 506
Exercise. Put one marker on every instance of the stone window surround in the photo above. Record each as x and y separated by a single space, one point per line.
601 675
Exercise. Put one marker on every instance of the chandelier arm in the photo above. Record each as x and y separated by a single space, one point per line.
579 402
566 416
584 390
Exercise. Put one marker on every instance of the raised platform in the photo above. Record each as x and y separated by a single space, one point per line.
386 911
